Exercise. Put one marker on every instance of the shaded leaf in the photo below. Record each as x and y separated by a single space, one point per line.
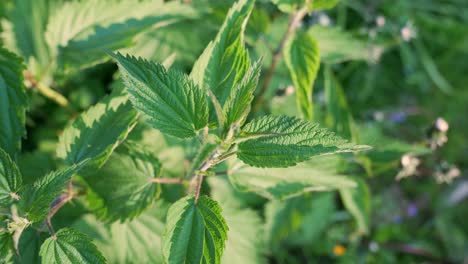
358 202
10 180
13 103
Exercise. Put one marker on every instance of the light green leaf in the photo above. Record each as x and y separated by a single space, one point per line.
173 103
282 141
69 246
245 226
302 56
322 4
281 183
10 180
237 105
225 60
97 131
338 114
195 232
135 240
358 202
90 50
13 103
36 198
337 45
123 184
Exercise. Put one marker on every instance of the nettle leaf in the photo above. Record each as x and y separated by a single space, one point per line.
10 179
195 232
225 60
237 105
6 247
97 131
36 198
69 246
173 103
358 202
13 102
302 57
282 141
281 183
86 28
124 184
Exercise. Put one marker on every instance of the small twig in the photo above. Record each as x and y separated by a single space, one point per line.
198 186
57 204
294 22
167 180
45 90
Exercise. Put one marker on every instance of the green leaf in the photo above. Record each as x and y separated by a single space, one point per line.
136 240
195 232
282 141
281 183
302 56
69 246
10 180
225 60
322 4
97 131
124 184
338 115
237 105
245 226
337 45
173 103
13 103
358 202
6 247
90 50
36 198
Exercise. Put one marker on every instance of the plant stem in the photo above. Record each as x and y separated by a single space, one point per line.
45 90
294 22
57 204
168 180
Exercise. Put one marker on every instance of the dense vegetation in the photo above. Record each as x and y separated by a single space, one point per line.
268 131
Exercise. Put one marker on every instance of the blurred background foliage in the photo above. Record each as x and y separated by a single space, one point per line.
393 75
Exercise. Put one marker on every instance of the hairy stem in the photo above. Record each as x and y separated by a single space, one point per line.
294 22
57 204
168 180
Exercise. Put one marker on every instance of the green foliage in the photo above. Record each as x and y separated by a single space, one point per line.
174 104
302 57
225 60
122 195
357 201
13 102
38 196
70 246
195 231
10 180
282 141
89 136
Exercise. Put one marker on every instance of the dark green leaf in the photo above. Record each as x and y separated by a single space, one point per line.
10 180
195 232
13 103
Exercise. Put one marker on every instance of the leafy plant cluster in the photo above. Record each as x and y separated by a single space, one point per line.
204 145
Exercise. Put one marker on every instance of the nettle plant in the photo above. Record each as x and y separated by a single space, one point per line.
208 113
